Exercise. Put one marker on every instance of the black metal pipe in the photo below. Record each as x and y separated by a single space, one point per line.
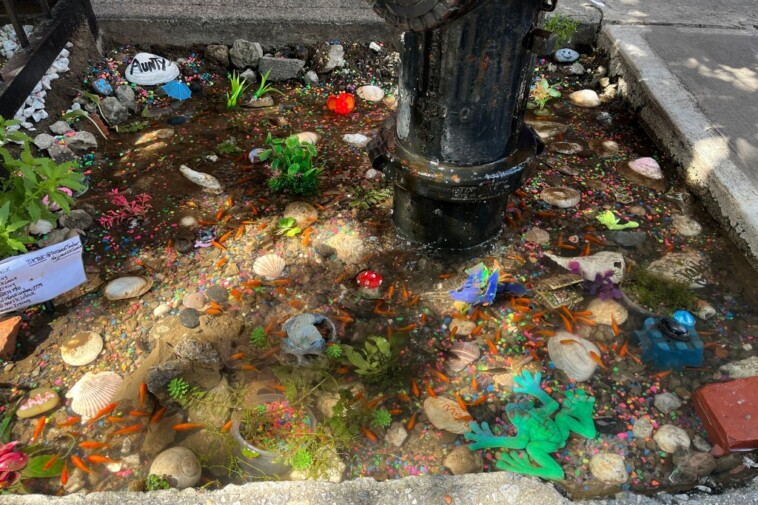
10 9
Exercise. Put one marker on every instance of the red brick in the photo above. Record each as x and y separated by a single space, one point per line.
729 411
8 331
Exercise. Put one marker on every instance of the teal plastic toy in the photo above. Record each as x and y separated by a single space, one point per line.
538 433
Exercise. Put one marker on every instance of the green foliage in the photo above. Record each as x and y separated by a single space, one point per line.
563 26
542 93
288 226
258 337
301 460
381 417
292 165
264 88
6 423
178 389
334 352
36 467
238 85
156 482
228 147
376 363
658 294
365 199
132 127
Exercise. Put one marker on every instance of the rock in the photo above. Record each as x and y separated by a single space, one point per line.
179 466
214 410
604 148
82 140
704 310
607 311
41 227
538 236
282 69
626 238
742 369
584 98
199 351
686 226
148 69
576 69
208 182
78 219
217 453
701 444
160 435
598 263
102 87
326 403
643 428
605 119
218 54
189 318
335 58
43 141
444 414
667 402
37 402
356 140
670 438
565 55
568 148
462 460
646 167
561 165
59 128
125 95
637 210
396 434
609 468
325 250
311 137
698 464
303 213
334 469
250 76
310 78
245 54
684 267
547 130
161 310
370 93
562 197
113 111
464 327
348 247
217 294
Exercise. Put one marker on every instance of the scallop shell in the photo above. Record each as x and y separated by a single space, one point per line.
574 359
82 348
563 198
93 392
207 181
465 352
195 300
269 266
602 310
179 466
127 287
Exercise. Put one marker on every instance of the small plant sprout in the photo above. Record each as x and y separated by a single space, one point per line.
542 93
264 88
563 26
301 460
156 482
334 352
258 337
178 388
238 85
288 226
291 165
381 418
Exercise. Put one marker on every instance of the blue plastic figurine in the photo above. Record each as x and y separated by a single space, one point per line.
671 343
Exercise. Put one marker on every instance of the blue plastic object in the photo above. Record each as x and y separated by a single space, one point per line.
671 343
177 90
102 87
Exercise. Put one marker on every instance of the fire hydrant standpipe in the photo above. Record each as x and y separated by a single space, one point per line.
458 145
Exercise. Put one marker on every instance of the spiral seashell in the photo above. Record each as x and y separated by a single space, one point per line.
563 198
127 287
465 352
572 355
82 348
179 466
269 266
93 392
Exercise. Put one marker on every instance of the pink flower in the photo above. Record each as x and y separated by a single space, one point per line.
10 463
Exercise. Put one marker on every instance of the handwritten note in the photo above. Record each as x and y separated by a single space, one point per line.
41 275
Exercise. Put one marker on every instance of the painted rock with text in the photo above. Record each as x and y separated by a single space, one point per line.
147 69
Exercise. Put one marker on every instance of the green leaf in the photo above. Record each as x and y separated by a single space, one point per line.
264 155
293 169
35 467
292 141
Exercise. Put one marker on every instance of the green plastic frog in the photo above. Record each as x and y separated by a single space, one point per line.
538 433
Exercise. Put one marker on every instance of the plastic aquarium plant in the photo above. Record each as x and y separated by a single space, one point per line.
264 88
258 337
479 289
156 482
610 221
542 93
291 165
126 209
178 389
375 363
602 287
238 85
288 226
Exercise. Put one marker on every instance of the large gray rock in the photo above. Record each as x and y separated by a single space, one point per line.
218 54
125 95
61 153
114 111
82 141
245 53
282 69
78 219
335 58
60 127
44 141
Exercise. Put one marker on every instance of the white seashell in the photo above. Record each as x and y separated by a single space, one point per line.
356 139
303 213
311 137
269 266
574 359
127 287
465 352
670 438
179 466
195 300
148 69
41 227
189 222
602 310
82 349
647 167
207 181
370 93
599 263
93 392
563 198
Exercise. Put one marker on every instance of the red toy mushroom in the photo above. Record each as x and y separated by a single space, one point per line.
369 282
342 104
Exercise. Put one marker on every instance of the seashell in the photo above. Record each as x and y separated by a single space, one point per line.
41 227
147 69
370 93
189 222
356 139
269 266
670 438
93 392
563 198
609 468
446 414
602 310
195 300
207 181
565 147
598 263
311 137
127 287
179 466
82 349
547 130
647 167
303 213
604 148
574 359
465 354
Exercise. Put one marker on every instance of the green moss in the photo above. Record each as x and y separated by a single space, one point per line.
156 482
658 294
563 26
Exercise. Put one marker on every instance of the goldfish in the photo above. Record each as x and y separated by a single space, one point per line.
142 394
227 427
139 413
51 462
478 401
441 376
103 412
614 326
115 419
369 434
491 345
412 421
78 463
237 355
414 389
91 444
158 415
71 421
96 458
134 428
187 426
64 475
38 429
598 360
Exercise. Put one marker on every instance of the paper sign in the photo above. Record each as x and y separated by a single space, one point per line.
41 275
